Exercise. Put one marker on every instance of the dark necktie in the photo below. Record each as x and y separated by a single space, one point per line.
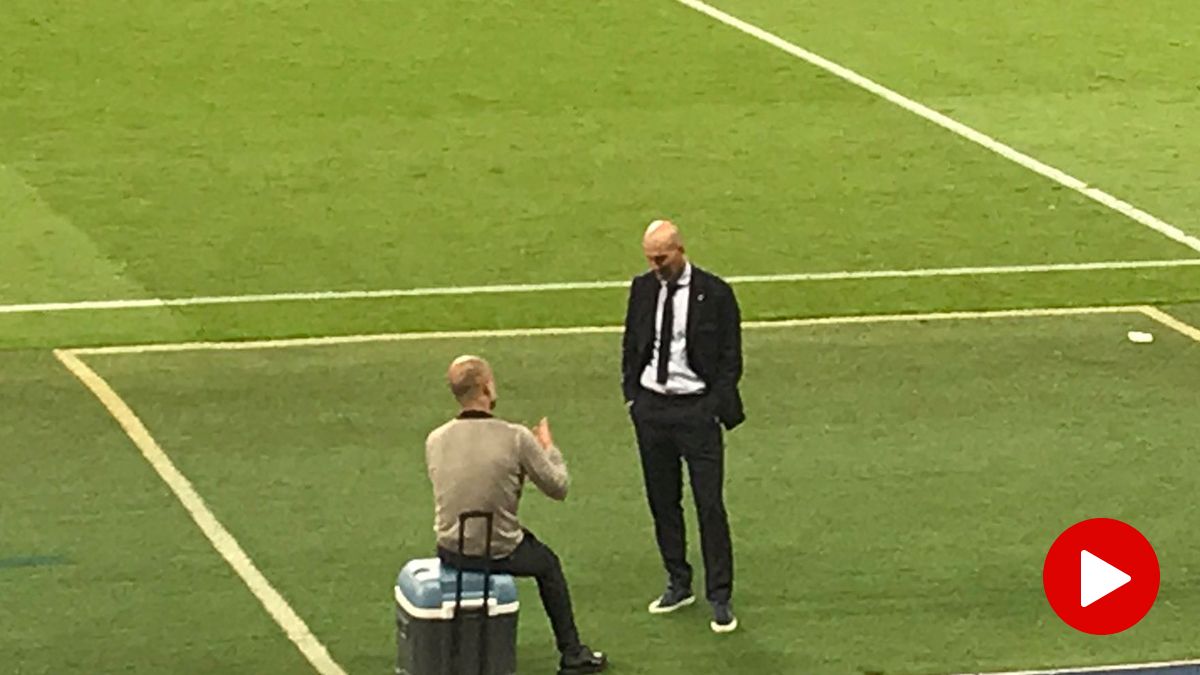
665 331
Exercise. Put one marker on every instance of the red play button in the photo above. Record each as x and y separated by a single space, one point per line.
1101 576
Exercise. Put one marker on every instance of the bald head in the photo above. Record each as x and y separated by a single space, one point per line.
662 233
663 248
471 380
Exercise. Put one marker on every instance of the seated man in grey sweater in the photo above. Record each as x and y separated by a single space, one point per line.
478 462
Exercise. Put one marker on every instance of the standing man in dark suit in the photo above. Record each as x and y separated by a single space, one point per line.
681 363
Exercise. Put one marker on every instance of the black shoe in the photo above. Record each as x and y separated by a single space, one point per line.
673 599
582 661
723 619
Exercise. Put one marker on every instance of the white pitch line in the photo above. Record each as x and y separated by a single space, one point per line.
591 330
1172 322
969 271
150 303
225 544
1057 175
1117 668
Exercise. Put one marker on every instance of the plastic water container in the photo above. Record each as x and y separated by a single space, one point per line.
431 641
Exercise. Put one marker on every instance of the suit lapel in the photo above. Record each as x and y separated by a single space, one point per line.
695 295
651 300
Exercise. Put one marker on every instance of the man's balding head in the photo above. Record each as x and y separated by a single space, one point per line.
662 233
471 381
663 248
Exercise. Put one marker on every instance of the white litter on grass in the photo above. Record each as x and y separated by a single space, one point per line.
1141 337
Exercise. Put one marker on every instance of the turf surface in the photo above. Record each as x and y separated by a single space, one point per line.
897 485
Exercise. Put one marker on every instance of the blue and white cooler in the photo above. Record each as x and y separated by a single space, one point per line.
426 628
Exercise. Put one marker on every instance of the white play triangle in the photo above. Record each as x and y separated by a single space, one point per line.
1097 578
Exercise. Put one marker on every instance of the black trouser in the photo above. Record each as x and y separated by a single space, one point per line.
668 429
534 559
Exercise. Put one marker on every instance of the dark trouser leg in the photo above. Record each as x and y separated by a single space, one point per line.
534 559
704 451
663 476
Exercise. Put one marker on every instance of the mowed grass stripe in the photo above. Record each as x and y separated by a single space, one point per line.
954 126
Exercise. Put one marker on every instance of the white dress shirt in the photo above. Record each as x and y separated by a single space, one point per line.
681 379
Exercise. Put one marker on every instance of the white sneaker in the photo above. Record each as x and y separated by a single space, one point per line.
723 619
672 600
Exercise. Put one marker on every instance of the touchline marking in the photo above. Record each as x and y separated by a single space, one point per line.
1172 322
1058 176
315 296
1117 668
591 330
291 623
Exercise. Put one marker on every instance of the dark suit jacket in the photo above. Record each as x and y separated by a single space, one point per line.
714 339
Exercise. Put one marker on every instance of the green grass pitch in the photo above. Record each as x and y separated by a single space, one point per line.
897 484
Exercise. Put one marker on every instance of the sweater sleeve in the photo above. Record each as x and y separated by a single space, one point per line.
545 467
